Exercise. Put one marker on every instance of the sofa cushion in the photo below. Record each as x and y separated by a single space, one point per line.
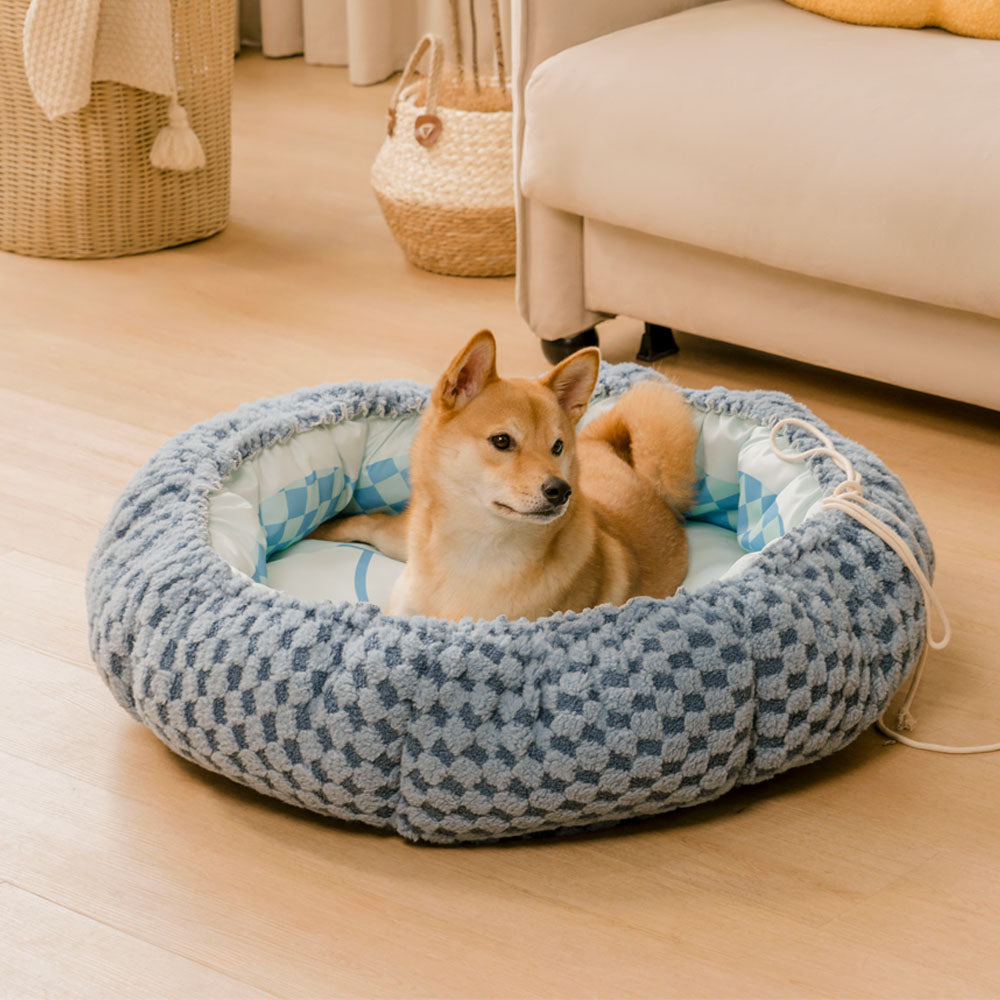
867 156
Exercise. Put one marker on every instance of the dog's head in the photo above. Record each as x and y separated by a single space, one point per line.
506 448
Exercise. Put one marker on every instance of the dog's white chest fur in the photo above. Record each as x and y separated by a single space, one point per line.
484 576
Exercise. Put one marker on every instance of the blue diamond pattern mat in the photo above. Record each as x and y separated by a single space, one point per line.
291 513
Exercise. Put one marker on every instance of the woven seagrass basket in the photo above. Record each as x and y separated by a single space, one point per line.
83 185
444 176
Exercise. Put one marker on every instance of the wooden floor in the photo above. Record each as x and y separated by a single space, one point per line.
125 872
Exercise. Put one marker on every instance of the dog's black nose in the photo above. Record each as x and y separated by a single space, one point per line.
556 491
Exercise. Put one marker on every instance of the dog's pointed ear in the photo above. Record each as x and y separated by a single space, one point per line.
473 368
573 381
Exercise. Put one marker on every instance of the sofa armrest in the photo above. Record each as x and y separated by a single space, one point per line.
549 283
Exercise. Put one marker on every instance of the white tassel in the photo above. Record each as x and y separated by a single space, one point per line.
177 147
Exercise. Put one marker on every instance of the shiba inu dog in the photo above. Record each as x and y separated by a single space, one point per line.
514 513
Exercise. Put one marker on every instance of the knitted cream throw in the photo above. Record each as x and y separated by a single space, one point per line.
67 45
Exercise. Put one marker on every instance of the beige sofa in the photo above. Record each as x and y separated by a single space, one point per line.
751 172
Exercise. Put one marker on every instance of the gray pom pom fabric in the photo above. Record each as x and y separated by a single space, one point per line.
479 730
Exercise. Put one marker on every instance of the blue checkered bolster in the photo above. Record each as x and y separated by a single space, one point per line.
289 515
743 486
716 501
383 486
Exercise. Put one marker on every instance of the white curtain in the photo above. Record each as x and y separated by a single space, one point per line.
373 38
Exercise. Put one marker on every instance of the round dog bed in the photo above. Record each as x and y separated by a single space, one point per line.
792 632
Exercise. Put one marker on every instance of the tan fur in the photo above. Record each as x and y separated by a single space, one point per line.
479 537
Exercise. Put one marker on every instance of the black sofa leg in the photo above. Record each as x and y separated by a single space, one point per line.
657 343
557 350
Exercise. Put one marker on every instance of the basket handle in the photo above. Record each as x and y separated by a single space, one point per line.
427 127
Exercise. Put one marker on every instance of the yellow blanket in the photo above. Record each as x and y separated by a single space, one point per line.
978 18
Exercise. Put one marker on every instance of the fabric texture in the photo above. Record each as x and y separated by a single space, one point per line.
752 128
474 731
69 45
790 314
976 18
279 497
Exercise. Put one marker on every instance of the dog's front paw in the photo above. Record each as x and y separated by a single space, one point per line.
337 529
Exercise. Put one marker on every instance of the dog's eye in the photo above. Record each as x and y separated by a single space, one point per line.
557 447
500 441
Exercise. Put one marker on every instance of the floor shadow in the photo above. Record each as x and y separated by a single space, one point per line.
242 797
738 800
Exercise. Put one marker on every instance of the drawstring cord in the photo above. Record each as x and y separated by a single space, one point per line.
848 497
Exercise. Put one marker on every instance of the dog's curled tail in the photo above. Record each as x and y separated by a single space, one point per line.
651 428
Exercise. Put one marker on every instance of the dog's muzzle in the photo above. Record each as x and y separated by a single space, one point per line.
556 491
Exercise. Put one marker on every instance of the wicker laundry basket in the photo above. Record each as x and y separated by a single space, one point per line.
444 177
83 185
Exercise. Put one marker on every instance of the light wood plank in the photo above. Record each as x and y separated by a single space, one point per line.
63 468
347 926
47 951
381 918
42 607
944 917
